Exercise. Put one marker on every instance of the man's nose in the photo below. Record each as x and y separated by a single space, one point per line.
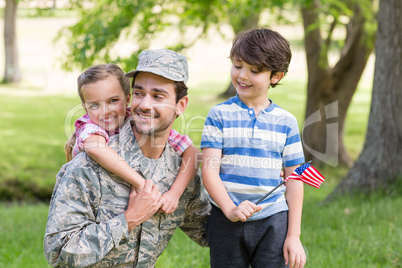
146 103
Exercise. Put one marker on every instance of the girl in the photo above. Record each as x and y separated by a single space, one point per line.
105 95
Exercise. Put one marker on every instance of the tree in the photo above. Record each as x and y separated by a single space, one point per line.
330 88
11 70
379 164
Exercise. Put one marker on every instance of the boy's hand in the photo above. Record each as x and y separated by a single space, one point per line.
243 211
171 201
293 252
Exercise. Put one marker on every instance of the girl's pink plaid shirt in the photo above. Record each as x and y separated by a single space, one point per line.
84 128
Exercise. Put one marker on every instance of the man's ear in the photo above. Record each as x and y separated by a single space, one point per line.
181 105
277 77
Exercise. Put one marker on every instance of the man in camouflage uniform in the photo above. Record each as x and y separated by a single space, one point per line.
94 220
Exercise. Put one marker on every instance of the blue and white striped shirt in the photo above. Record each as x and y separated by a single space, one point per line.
254 149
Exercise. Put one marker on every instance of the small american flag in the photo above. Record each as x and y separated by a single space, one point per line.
307 174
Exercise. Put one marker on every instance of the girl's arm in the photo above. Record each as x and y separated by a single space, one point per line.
213 184
293 250
95 146
189 167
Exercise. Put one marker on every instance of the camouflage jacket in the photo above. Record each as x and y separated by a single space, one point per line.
86 224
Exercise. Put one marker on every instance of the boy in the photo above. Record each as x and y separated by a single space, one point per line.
246 141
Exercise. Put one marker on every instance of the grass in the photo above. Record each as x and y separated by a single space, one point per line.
354 231
34 135
21 235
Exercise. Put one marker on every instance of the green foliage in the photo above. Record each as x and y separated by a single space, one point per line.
334 23
107 22
93 39
44 13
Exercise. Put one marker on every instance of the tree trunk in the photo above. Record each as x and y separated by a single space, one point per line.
11 70
330 90
379 164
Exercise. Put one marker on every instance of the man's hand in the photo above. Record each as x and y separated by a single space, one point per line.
143 205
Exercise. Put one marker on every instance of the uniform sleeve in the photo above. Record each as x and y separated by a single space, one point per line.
212 134
293 150
73 237
179 143
196 215
84 128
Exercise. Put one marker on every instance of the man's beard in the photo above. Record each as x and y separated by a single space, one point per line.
152 129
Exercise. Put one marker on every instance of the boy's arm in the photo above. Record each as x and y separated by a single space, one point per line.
293 250
189 167
95 146
213 184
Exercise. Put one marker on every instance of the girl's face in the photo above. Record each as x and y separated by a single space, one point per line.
248 82
105 103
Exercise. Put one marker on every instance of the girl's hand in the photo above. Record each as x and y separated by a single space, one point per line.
171 201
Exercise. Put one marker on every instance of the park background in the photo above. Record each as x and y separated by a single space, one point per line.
36 117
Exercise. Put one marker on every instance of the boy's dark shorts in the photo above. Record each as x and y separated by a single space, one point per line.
241 244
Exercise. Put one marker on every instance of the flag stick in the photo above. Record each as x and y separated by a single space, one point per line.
270 192
279 185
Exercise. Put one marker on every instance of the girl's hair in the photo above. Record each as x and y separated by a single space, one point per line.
101 72
263 48
68 147
92 75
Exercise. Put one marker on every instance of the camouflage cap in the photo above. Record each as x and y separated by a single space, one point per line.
162 62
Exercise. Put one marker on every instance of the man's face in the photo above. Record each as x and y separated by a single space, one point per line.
153 105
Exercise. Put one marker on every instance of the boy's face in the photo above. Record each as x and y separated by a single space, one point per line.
153 105
249 83
105 103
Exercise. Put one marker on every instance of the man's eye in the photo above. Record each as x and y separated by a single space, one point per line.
237 66
113 100
137 93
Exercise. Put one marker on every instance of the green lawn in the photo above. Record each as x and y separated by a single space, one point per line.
355 231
